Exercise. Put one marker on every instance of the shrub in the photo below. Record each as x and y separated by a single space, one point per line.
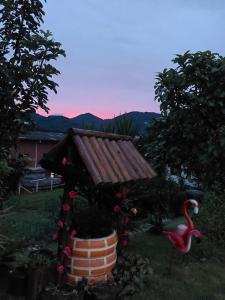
132 273
211 220
162 197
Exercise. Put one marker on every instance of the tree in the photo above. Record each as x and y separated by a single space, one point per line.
26 72
124 125
191 130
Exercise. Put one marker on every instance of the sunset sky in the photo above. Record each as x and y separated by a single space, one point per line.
115 48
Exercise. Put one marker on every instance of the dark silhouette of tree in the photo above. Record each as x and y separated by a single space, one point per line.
191 130
26 72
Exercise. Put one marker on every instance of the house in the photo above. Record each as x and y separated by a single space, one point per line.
35 144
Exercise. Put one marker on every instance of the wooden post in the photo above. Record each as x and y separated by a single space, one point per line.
36 155
37 182
19 188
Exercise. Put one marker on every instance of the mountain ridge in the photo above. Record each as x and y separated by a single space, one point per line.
60 123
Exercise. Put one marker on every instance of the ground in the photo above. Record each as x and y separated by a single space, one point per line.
197 278
200 276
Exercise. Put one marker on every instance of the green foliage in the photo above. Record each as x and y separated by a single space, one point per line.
156 221
211 220
90 126
3 243
26 72
132 273
17 167
5 171
123 125
40 257
4 168
191 130
163 198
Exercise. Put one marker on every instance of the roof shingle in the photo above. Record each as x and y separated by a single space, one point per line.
110 158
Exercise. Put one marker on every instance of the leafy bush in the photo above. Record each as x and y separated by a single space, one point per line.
131 274
211 220
5 171
162 197
41 257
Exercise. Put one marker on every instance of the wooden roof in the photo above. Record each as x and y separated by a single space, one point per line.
110 158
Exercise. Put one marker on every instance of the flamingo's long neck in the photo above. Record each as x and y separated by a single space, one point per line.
190 223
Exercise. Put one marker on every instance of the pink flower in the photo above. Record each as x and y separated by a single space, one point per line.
55 236
117 209
60 224
119 195
73 233
60 269
125 243
125 190
125 220
67 251
126 200
64 161
72 194
66 207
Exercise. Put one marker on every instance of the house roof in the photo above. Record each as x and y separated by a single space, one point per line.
41 136
109 158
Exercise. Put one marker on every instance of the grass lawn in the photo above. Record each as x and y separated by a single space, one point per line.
200 278
33 216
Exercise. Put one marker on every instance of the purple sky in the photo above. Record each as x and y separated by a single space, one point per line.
115 48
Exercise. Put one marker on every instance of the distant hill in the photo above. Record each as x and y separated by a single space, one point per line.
89 121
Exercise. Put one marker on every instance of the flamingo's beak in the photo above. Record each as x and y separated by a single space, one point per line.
196 210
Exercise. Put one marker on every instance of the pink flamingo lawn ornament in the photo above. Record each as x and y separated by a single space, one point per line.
181 238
